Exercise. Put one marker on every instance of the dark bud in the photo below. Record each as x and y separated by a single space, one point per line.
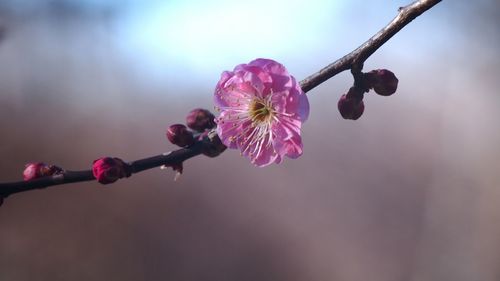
383 81
178 134
350 107
200 119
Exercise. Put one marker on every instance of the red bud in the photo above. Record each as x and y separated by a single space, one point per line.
179 135
38 170
108 170
200 119
383 81
350 107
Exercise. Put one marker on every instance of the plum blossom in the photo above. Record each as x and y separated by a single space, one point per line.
262 109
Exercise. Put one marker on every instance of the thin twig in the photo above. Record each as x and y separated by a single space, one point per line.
357 57
353 61
170 158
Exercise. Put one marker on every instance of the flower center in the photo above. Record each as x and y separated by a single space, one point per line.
260 111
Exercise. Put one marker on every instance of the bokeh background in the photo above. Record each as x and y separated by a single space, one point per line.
410 191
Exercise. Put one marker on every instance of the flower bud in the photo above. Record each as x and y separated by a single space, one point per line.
200 119
350 107
179 135
38 170
383 81
108 170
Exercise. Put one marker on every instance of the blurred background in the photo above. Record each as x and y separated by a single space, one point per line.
410 191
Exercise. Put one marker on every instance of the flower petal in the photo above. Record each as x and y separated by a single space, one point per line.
281 80
302 109
288 141
261 154
229 128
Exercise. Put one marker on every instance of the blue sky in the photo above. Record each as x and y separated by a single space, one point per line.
203 38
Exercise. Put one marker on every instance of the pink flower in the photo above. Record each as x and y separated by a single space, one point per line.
262 108
108 170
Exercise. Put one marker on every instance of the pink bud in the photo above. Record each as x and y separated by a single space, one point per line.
179 135
383 81
350 107
38 170
200 119
108 170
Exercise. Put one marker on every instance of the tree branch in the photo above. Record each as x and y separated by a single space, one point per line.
356 58
353 61
167 159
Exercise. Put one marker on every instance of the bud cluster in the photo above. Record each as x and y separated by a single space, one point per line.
382 81
198 120
200 123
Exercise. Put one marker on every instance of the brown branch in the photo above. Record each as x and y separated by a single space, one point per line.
174 157
353 61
